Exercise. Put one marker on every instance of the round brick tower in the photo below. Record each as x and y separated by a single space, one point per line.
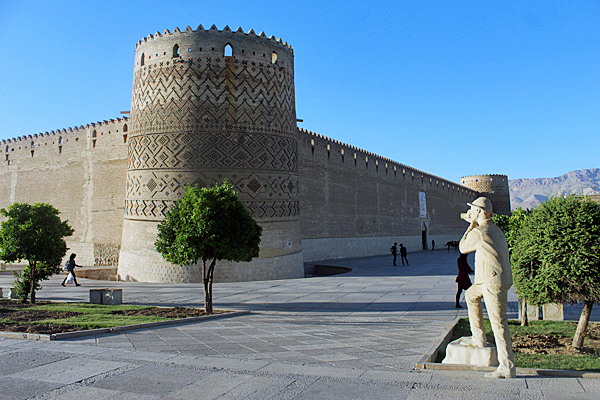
494 187
211 105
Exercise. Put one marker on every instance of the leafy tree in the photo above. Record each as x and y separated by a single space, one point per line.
557 256
208 224
34 233
511 225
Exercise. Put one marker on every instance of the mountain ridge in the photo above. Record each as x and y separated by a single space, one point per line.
528 193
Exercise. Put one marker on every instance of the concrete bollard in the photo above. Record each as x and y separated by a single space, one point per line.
106 296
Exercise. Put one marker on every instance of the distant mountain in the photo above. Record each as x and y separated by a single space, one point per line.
527 193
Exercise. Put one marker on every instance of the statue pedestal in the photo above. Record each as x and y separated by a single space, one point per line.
461 351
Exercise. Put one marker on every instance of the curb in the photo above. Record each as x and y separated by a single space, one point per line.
425 363
116 329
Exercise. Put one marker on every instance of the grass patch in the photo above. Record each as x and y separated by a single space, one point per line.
546 344
47 317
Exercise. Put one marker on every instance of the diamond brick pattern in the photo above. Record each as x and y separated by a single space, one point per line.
203 120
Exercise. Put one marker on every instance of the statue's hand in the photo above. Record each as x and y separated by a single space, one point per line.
473 225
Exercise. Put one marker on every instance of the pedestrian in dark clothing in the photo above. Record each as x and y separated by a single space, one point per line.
432 245
394 251
71 269
403 254
463 280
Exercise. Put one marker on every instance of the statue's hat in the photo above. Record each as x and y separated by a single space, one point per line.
484 203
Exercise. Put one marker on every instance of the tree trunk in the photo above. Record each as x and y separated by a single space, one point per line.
582 325
207 275
524 317
32 282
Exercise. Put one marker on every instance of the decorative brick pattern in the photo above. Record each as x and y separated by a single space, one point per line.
106 255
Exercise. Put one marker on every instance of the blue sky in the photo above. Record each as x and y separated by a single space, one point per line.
453 88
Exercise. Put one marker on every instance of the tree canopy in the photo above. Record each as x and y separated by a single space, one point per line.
208 224
556 257
34 233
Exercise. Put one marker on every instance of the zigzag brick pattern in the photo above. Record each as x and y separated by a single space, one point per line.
200 120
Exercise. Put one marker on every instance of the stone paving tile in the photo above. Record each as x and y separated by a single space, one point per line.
376 321
67 371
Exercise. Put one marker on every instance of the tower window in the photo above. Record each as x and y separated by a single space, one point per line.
175 51
142 59
273 58
125 128
228 51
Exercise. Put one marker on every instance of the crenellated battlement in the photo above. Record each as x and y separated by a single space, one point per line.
188 30
388 163
63 131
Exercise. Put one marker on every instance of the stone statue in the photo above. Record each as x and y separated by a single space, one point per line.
493 278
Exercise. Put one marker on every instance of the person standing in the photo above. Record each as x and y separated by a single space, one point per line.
403 254
463 280
432 245
394 251
71 268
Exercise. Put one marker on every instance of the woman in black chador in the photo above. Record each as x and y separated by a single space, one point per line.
463 280
71 268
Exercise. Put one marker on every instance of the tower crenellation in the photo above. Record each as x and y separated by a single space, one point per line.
493 186
210 105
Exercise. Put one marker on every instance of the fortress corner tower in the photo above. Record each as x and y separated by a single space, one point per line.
211 105
494 187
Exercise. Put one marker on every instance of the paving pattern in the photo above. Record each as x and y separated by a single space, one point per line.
353 336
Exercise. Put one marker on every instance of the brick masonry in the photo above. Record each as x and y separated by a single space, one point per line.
209 105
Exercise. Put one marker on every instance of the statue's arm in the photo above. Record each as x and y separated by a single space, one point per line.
470 240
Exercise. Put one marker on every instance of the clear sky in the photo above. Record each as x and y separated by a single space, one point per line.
452 87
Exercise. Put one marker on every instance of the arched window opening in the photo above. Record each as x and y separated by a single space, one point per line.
175 51
273 58
60 140
228 51
94 134
125 128
142 59
32 144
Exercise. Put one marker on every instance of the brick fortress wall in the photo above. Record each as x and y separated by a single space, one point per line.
493 186
200 115
355 203
80 171
210 105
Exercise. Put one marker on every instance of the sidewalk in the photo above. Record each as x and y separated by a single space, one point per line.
354 336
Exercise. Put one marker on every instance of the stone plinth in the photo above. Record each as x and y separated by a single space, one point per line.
533 311
553 312
461 351
106 296
12 294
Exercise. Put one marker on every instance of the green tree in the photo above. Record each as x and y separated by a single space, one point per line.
34 233
208 224
557 256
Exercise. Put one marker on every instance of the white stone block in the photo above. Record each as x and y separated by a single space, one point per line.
553 312
461 351
12 294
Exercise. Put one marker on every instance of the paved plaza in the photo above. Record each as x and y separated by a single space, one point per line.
351 336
